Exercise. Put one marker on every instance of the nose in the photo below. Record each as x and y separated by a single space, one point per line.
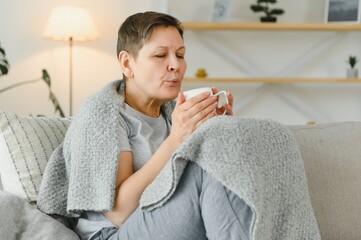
174 64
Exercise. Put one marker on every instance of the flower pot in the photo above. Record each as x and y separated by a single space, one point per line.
352 73
268 19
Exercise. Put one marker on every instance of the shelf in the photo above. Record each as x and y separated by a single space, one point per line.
258 26
242 26
274 80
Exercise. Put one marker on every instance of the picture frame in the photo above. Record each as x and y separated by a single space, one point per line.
343 11
221 11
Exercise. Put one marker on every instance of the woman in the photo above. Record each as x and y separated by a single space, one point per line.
151 53
125 134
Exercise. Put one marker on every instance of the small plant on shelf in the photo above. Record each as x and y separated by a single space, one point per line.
352 71
264 6
352 60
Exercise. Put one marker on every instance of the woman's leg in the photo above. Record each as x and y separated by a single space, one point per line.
179 218
201 208
225 215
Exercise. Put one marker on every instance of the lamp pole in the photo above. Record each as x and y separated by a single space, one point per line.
70 23
70 76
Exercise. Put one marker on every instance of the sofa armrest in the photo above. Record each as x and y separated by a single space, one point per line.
332 159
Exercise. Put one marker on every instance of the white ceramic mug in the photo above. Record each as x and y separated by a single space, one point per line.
222 95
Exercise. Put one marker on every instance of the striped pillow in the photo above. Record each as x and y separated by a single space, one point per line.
26 144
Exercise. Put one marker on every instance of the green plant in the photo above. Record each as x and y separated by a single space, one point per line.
4 69
352 60
4 64
264 6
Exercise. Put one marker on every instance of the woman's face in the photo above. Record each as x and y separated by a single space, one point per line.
159 68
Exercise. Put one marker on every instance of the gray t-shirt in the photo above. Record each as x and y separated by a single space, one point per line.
143 136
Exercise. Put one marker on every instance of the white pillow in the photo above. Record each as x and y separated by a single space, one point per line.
26 144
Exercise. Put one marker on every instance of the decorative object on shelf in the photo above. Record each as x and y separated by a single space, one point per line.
310 123
264 6
352 72
4 69
201 73
221 10
343 11
69 23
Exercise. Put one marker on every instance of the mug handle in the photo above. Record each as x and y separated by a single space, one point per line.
222 98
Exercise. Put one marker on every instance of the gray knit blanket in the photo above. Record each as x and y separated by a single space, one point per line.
259 160
81 173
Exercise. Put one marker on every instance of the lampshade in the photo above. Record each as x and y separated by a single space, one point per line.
67 22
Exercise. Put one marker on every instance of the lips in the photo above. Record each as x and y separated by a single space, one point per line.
173 81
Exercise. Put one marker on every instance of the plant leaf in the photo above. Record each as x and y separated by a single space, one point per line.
46 77
276 11
267 1
257 8
56 104
4 64
352 60
3 69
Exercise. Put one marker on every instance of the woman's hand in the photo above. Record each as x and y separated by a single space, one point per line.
191 113
225 107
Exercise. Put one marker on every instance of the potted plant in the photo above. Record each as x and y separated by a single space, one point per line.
4 69
352 72
264 6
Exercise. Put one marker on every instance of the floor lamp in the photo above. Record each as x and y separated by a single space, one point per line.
69 23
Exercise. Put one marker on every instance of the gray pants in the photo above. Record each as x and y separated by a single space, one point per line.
201 208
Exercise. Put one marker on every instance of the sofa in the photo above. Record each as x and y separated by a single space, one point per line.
330 152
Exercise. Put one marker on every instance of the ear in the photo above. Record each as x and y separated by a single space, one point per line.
125 63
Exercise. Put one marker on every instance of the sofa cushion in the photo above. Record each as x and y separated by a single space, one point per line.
332 158
26 143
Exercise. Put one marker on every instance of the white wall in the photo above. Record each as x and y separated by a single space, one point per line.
22 23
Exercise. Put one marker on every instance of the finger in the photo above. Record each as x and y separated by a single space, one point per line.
220 111
230 98
180 99
229 109
201 108
203 114
190 103
211 114
214 90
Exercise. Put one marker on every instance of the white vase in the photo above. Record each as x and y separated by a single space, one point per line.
352 73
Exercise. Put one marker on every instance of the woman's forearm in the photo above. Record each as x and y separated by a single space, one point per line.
130 190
